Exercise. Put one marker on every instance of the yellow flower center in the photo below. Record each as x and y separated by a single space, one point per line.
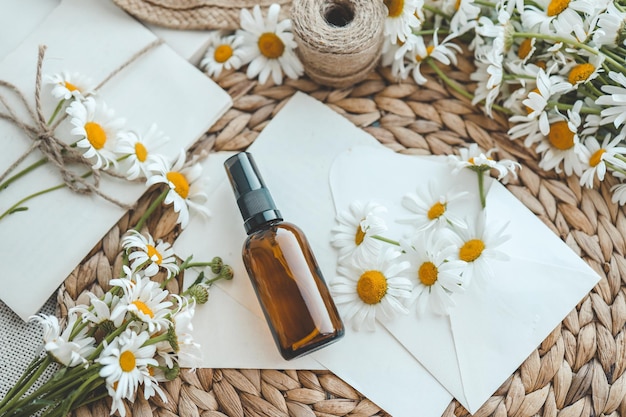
271 46
557 6
95 135
152 252
580 73
127 361
436 211
141 152
141 306
359 236
372 287
395 7
525 48
536 91
70 86
181 185
596 158
223 53
428 273
429 50
560 136
471 250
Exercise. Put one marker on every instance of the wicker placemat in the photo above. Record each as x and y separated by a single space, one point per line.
578 370
195 14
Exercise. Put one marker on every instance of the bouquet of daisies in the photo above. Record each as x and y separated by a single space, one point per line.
123 343
556 68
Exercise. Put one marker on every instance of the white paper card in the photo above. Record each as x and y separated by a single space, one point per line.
294 154
93 38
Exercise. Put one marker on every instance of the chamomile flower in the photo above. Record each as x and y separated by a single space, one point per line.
186 186
144 299
473 158
393 57
371 289
581 73
188 349
619 193
403 16
66 349
357 226
66 86
562 144
431 209
543 15
97 126
615 100
268 45
437 275
610 27
148 255
478 246
99 309
417 52
125 363
138 150
548 87
223 53
465 16
596 155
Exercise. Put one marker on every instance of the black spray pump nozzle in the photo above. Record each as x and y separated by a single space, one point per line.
253 198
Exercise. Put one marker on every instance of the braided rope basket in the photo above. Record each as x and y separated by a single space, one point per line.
578 370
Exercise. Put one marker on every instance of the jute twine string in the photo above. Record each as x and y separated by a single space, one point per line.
339 41
578 370
54 150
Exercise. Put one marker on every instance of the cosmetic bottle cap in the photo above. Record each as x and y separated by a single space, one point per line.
253 198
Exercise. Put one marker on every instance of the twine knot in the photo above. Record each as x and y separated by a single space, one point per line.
55 151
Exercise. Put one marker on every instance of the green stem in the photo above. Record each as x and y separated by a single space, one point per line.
564 106
23 172
56 111
435 10
386 240
576 44
35 363
27 384
481 189
16 207
456 87
151 209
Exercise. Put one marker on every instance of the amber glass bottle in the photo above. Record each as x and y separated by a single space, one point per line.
282 268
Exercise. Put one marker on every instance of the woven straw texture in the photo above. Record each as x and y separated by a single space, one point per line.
195 14
578 370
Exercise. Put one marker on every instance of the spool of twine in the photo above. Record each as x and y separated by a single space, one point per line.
339 41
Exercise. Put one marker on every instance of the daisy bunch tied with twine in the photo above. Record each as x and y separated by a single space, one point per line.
102 145
440 254
555 68
263 43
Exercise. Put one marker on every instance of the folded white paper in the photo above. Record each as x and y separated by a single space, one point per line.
294 154
19 18
42 246
491 330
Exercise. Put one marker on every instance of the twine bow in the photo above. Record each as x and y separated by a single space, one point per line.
55 151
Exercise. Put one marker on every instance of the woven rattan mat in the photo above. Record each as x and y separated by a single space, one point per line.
579 370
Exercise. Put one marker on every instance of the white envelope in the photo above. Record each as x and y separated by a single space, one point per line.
294 154
490 332
42 246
